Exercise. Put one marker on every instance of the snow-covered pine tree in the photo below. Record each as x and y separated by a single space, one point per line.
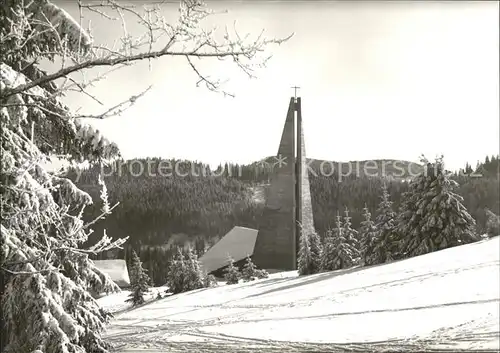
231 273
316 250
134 258
386 245
249 271
346 255
184 273
46 275
309 259
139 284
351 236
338 252
432 216
304 261
132 271
330 248
367 235
176 272
328 251
193 275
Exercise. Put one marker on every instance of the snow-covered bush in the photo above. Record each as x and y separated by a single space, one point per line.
232 274
209 281
261 273
249 271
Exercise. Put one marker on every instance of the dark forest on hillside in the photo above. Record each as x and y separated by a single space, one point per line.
159 212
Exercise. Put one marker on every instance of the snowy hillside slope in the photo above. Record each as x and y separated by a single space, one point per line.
117 302
447 300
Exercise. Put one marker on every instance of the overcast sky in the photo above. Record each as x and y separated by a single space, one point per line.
379 80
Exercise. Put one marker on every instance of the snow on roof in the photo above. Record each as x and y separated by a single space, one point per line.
116 270
237 243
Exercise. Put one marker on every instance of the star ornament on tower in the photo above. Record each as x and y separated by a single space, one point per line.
280 161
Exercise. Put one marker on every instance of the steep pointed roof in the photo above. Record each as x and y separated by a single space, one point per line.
237 243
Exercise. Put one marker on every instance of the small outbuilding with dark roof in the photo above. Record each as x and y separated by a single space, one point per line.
116 269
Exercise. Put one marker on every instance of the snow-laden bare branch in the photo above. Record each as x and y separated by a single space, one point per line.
187 38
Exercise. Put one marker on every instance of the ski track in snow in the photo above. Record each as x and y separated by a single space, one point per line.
444 301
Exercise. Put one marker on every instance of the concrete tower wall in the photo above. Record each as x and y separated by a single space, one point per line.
288 210
304 201
275 244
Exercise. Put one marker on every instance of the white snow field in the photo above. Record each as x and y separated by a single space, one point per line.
443 301
117 302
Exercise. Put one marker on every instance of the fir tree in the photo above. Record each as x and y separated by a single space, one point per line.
231 274
135 261
329 247
338 252
346 255
432 216
132 268
316 250
309 259
249 272
351 236
304 262
176 281
139 283
367 235
193 275
184 272
492 223
386 245
328 252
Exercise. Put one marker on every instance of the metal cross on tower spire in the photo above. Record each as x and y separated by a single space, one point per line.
295 88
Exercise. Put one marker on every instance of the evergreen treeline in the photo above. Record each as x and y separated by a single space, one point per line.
480 188
159 212
154 207
431 217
